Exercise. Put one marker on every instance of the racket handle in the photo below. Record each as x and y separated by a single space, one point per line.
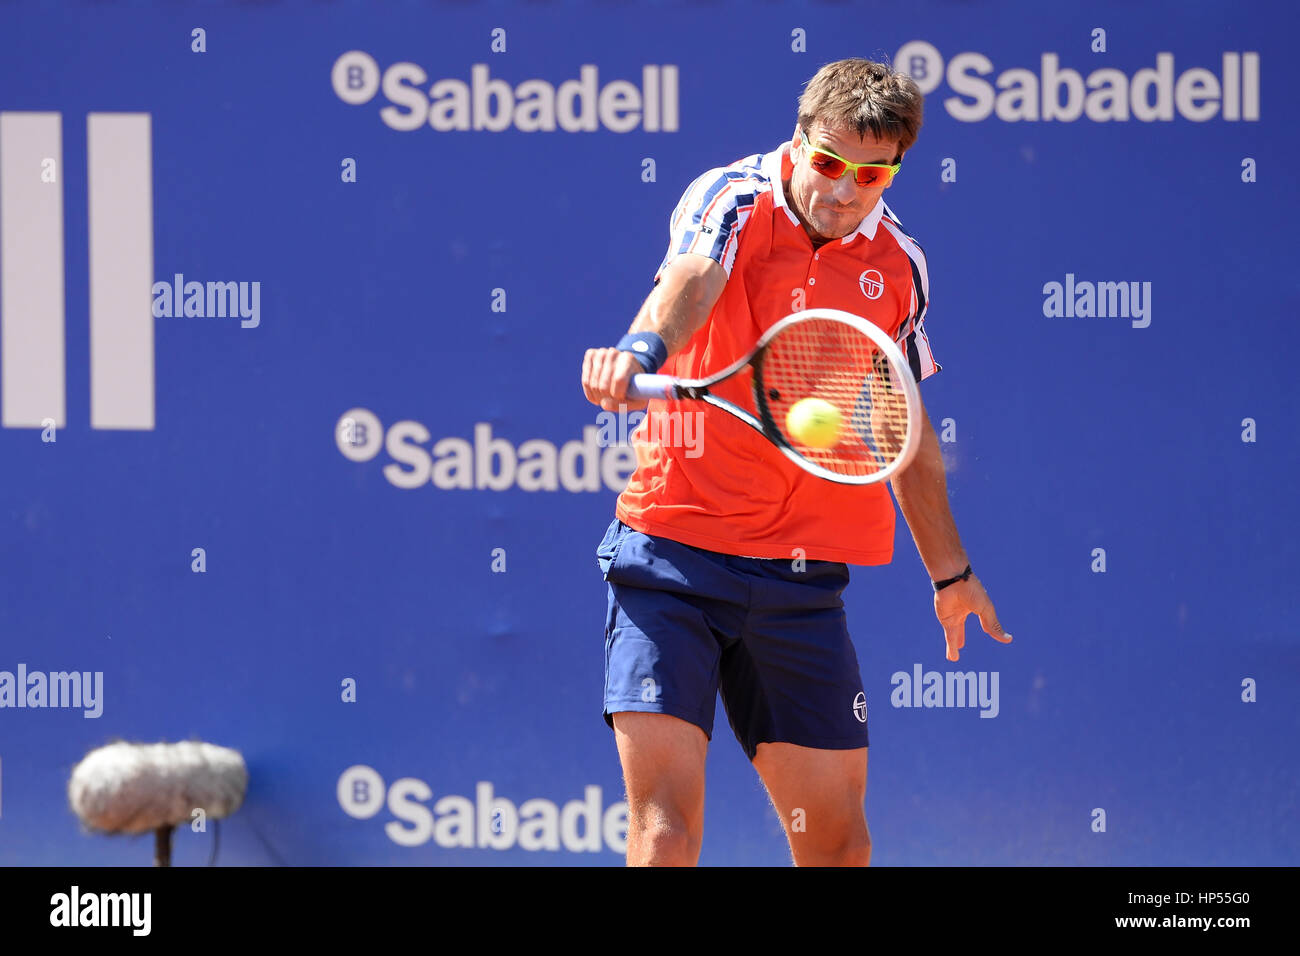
645 386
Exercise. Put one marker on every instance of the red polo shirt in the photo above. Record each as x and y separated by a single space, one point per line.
722 486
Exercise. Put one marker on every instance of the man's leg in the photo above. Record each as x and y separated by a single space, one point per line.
819 795
669 605
663 770
795 700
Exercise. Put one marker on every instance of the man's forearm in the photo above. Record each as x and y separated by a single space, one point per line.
680 304
922 493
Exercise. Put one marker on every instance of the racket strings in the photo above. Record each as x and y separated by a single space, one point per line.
834 362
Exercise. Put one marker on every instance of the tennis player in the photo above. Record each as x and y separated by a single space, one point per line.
725 563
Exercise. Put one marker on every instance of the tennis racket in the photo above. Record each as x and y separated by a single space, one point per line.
828 355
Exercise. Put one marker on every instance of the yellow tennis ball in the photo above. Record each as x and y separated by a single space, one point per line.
813 422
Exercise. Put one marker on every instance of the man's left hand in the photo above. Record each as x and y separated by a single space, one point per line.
953 603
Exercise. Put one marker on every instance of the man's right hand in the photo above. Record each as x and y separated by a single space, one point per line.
605 377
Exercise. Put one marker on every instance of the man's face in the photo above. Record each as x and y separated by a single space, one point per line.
833 208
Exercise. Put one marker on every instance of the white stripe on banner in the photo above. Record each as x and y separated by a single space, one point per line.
121 270
31 270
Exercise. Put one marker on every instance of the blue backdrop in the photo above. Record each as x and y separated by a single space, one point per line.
1136 532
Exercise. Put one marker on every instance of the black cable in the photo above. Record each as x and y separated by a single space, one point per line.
216 842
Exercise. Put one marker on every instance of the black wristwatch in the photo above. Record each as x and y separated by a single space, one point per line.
940 585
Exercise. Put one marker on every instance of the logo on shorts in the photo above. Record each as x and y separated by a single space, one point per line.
872 283
860 707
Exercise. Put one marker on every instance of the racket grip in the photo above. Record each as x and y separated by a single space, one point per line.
646 386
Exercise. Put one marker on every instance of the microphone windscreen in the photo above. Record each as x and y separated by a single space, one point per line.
134 788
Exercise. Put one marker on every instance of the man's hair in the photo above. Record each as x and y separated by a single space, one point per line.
865 96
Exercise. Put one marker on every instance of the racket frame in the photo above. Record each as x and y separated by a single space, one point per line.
668 387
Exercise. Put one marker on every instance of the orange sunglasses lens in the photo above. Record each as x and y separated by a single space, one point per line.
833 167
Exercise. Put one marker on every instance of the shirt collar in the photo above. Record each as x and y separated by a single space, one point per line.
778 167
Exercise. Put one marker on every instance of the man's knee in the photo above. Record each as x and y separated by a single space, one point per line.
660 834
855 850
846 849
845 845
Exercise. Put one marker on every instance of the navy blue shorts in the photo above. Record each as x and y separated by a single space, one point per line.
685 623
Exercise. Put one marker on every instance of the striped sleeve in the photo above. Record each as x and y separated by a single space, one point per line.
712 212
911 337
